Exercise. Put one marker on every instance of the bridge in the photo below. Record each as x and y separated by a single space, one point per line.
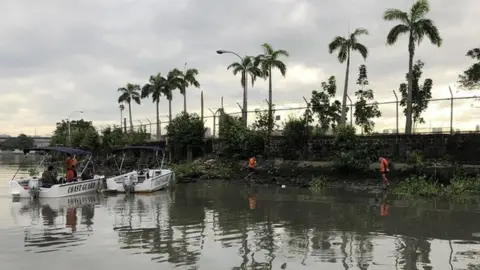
39 140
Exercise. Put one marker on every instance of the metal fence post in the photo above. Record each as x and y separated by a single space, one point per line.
451 109
396 98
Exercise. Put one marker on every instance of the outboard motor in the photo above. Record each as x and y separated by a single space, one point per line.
34 187
128 184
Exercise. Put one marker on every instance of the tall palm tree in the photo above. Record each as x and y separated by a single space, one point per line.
189 79
344 46
121 107
246 68
417 26
155 87
268 61
173 81
128 93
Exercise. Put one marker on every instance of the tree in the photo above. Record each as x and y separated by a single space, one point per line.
83 134
268 61
186 130
470 79
155 88
421 94
237 141
365 107
173 81
328 113
246 68
344 46
188 79
128 93
417 26
113 137
22 141
296 135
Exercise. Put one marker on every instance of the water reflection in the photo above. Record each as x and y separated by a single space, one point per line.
51 224
221 226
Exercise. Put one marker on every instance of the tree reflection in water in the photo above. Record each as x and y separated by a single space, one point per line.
267 227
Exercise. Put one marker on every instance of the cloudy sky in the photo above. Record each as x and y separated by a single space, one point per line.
60 56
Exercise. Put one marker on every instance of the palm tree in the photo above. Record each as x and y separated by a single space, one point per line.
155 87
189 79
174 80
246 68
417 26
129 92
345 46
268 61
121 107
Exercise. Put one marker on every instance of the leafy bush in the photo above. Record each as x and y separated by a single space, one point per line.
352 154
238 141
318 183
419 186
296 134
185 130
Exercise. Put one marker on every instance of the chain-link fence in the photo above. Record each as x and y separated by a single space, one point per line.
443 115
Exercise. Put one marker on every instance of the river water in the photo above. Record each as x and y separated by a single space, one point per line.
218 225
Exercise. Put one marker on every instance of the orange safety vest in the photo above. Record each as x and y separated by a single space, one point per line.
383 165
251 163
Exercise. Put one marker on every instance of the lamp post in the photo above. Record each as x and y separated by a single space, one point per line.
69 130
244 107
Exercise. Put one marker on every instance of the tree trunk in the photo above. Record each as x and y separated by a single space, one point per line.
408 122
185 101
343 117
169 111
158 120
245 111
130 114
270 116
121 119
168 143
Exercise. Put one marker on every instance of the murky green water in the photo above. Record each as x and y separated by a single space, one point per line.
224 226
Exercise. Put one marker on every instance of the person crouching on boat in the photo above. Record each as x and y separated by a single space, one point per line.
68 162
74 166
48 178
70 177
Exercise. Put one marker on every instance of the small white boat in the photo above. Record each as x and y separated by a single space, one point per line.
26 188
143 180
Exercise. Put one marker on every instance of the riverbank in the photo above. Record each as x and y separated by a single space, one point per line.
405 179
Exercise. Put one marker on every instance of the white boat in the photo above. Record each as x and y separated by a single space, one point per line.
142 180
26 188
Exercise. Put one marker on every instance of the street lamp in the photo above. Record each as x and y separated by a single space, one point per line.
69 130
244 108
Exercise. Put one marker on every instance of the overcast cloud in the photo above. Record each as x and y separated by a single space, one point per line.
59 56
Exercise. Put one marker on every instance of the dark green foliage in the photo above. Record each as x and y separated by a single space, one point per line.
296 135
83 135
186 130
22 141
351 154
365 107
421 94
470 79
327 112
237 141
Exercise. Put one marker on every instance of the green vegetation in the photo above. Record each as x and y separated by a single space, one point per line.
22 141
470 79
318 183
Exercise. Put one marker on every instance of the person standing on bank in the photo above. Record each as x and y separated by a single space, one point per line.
383 171
252 162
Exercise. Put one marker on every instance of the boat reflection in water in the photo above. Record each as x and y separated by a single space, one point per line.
51 224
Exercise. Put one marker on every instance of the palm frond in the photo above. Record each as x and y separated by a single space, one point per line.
393 14
419 9
136 99
124 97
122 89
359 32
395 32
428 28
146 90
336 44
343 53
267 49
280 66
279 53
361 49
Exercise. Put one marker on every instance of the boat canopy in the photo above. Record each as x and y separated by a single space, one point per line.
141 147
67 150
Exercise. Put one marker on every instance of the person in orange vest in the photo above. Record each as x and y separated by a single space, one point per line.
68 162
252 162
383 171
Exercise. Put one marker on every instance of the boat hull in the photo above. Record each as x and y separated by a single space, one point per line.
115 184
17 188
